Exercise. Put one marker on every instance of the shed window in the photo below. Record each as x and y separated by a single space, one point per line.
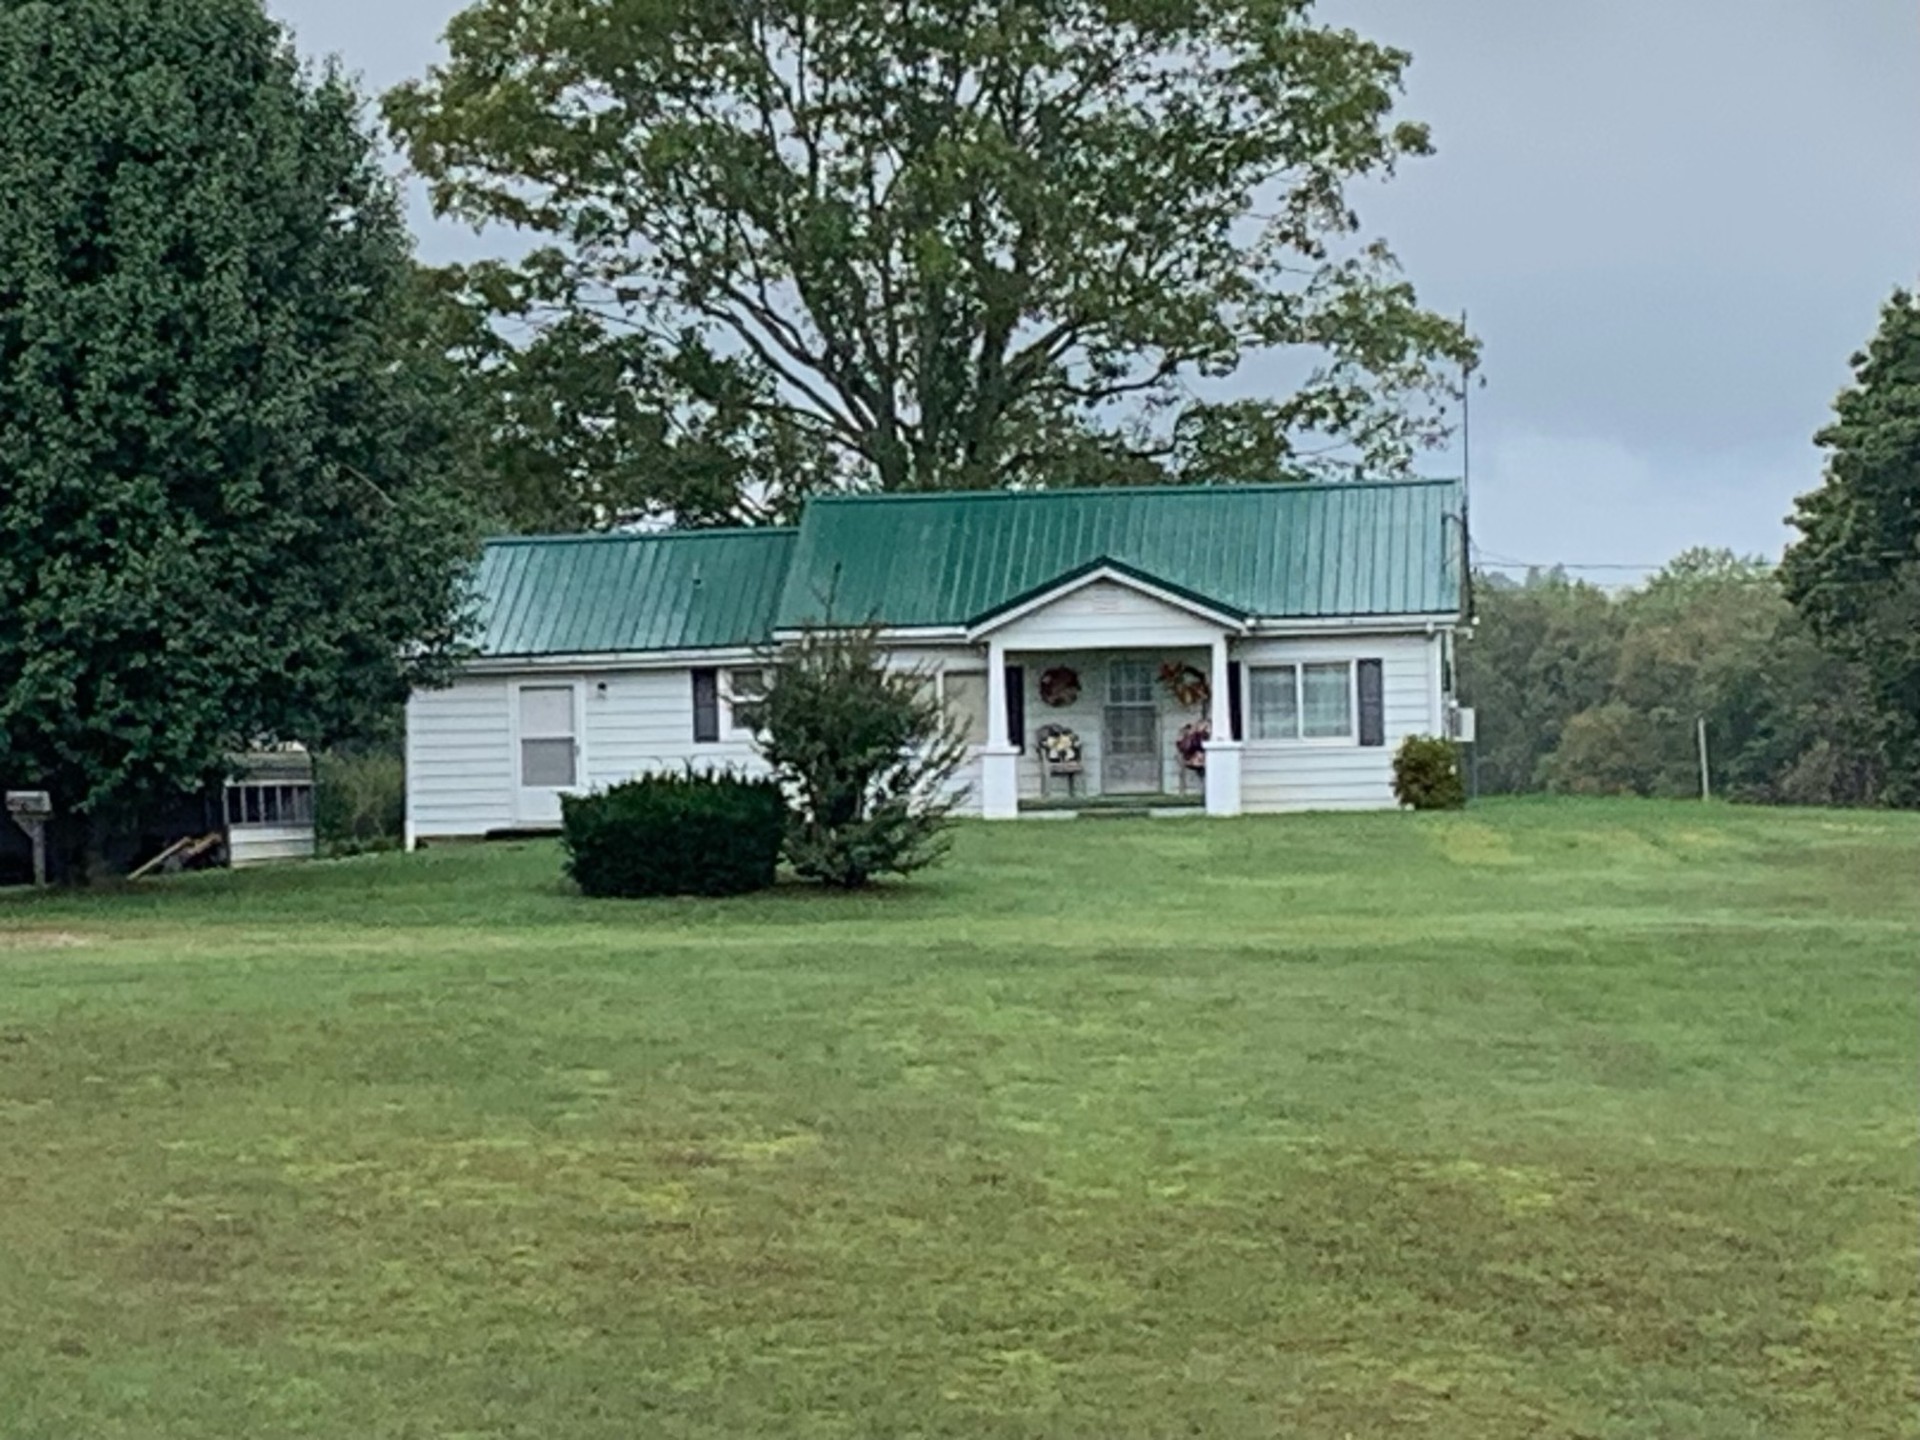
286 805
1302 702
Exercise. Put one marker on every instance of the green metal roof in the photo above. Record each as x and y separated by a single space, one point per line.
596 594
1258 551
1271 551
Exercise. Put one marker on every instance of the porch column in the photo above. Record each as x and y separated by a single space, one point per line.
999 757
1223 751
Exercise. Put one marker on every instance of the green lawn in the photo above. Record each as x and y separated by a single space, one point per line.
1552 1119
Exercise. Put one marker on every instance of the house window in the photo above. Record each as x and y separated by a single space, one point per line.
744 689
964 694
549 747
1301 702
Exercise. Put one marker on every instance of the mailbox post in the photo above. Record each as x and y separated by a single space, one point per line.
31 809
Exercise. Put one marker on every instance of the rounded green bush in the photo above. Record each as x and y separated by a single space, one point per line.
1426 774
675 835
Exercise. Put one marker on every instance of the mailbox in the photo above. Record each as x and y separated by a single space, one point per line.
31 809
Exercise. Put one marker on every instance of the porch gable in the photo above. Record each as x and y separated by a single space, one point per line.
1100 603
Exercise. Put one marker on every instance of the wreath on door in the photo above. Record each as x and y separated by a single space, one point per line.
1060 686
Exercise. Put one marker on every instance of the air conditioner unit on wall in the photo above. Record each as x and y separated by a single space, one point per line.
1460 723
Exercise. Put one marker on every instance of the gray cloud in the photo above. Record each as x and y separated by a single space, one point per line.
1670 220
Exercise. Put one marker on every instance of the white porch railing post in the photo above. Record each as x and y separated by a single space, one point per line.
1223 751
1000 756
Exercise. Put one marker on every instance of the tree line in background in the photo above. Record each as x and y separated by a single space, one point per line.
1807 675
1586 691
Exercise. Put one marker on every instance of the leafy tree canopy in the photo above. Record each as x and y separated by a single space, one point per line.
1584 690
221 510
568 424
1855 572
965 243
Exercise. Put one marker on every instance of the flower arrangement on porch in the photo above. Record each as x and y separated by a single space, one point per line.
1192 744
1187 684
1060 686
1059 749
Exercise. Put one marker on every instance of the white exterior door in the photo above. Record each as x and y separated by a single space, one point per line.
547 759
1130 748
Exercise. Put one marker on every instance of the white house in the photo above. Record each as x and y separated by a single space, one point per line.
1233 648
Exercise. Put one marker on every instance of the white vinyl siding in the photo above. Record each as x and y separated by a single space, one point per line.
460 761
640 722
463 773
1334 774
463 770
963 695
959 668
1106 614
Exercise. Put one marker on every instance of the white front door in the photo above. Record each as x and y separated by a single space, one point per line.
1130 739
546 749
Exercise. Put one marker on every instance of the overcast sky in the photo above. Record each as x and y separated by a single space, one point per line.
1671 221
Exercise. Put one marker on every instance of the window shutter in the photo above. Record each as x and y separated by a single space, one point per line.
1236 689
1373 702
1016 682
706 706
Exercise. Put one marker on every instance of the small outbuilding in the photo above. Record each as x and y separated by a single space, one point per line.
270 807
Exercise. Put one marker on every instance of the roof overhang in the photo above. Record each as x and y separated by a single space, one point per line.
1110 572
610 660
1416 624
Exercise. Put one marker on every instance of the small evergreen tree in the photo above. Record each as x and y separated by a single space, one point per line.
867 757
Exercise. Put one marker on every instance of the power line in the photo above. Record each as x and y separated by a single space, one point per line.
1488 560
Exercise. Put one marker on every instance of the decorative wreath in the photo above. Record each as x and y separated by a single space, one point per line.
1060 686
1192 744
1186 683
1059 749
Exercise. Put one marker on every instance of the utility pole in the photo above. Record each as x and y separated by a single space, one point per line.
1706 774
1466 480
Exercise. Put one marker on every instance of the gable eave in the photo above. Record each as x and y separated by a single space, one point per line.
1118 572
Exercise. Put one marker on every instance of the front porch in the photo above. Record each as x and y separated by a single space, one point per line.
1110 697
1099 728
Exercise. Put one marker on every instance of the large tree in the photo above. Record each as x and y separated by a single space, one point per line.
1855 573
567 424
968 242
222 509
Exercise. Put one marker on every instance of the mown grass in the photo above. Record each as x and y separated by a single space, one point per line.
1550 1119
